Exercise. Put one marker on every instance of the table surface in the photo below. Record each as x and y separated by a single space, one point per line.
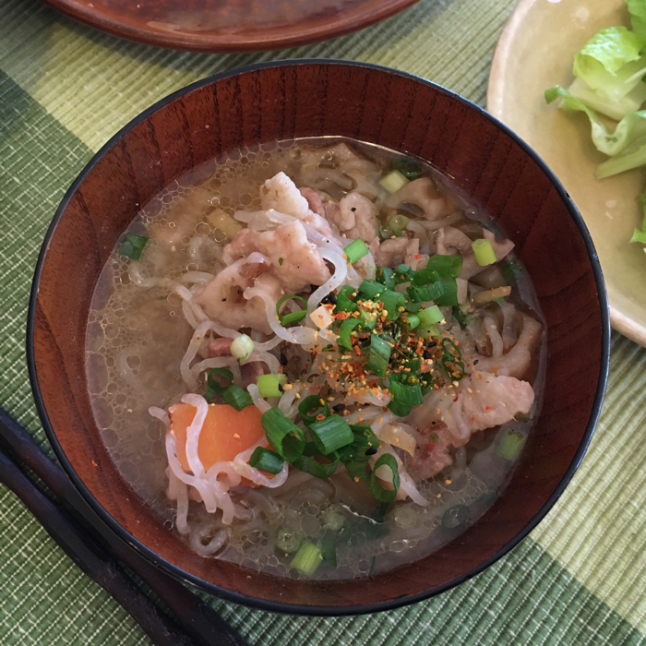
64 90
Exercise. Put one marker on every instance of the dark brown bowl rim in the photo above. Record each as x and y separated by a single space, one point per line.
298 609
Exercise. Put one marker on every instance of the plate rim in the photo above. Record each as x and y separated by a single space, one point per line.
622 323
219 41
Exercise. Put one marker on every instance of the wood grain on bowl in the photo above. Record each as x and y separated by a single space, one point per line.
373 105
229 25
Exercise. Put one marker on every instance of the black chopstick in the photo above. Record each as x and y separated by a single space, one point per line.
196 617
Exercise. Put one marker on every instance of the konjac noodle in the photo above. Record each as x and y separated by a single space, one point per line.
315 359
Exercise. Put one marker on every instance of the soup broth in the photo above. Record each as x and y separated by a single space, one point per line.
429 404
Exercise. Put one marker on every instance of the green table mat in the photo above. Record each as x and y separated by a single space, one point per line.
64 90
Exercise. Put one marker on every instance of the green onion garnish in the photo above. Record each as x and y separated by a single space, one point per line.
132 245
236 397
344 302
402 272
355 456
376 488
413 321
426 331
452 359
345 331
379 355
328 547
397 224
485 255
512 271
430 292
287 438
446 266
449 292
311 407
400 409
287 540
392 302
356 250
510 445
455 516
317 469
409 168
409 393
266 460
370 289
385 277
214 387
430 315
425 276
292 317
393 181
414 303
241 347
330 434
308 558
271 385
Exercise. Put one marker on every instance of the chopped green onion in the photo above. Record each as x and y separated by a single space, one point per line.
413 321
459 316
132 245
431 292
414 365
397 224
376 488
414 303
379 355
368 319
446 266
328 547
292 317
452 356
385 277
343 301
345 331
309 406
287 540
430 315
236 397
213 386
449 292
510 445
308 558
271 385
455 516
281 261
393 181
406 393
287 438
409 168
370 289
512 271
266 460
400 409
392 302
333 518
241 347
356 250
402 271
485 255
330 434
309 465
424 277
426 331
355 456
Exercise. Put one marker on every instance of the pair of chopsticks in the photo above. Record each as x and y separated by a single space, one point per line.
95 549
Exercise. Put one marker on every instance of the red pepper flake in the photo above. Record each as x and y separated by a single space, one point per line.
417 256
94 464
356 350
456 397
320 417
341 316
488 408
430 447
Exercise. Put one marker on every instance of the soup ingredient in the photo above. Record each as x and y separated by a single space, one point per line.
224 434
308 558
241 347
609 73
132 245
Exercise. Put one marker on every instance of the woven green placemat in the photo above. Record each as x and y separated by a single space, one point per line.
64 90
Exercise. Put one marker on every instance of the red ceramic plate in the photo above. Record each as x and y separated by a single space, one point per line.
229 25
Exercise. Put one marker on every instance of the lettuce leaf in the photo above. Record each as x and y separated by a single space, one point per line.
610 62
614 109
637 10
632 128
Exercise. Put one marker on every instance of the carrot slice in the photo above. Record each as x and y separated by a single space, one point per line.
225 433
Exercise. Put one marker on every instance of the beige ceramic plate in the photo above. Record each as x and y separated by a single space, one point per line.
536 51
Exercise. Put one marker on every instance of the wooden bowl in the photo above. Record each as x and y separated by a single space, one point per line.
229 25
311 98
